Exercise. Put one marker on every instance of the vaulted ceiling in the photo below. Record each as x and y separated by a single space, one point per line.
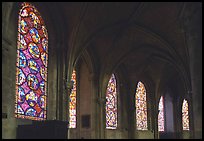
146 39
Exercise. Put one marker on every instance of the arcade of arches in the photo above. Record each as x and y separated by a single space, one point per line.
152 51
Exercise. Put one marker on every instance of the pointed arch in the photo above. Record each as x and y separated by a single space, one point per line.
161 115
31 65
111 104
141 107
185 115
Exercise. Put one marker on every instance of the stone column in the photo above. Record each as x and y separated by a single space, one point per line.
94 107
193 29
9 54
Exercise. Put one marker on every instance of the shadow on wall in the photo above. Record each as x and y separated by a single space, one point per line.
167 135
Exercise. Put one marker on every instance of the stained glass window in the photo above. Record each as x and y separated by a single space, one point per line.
141 107
111 104
185 117
161 115
31 65
72 102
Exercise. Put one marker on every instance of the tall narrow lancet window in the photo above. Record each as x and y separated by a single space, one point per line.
111 104
31 65
161 115
185 116
141 107
72 102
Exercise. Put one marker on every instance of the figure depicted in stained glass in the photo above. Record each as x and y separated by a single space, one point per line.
44 44
44 58
34 34
21 95
35 19
111 104
72 102
20 77
185 116
23 44
33 66
23 26
31 69
161 115
34 50
22 60
141 107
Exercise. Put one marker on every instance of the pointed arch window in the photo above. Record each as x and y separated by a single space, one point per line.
111 104
185 116
161 115
72 102
141 107
31 65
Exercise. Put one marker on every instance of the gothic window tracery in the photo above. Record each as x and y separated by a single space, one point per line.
185 115
72 102
161 115
31 65
111 104
141 107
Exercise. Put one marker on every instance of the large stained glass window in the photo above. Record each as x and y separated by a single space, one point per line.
185 117
31 66
72 102
161 115
141 107
111 104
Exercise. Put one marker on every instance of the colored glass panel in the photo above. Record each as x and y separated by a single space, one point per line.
31 65
111 104
72 102
141 107
161 115
185 116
